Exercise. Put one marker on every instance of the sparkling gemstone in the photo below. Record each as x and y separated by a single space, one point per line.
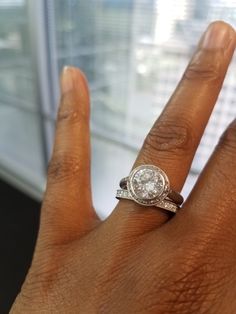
147 183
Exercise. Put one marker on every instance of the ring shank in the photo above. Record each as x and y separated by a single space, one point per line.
165 204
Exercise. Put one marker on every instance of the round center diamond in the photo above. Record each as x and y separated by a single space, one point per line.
148 184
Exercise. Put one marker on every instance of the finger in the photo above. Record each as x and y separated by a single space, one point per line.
174 138
213 199
67 210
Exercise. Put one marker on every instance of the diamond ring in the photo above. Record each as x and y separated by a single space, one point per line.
148 185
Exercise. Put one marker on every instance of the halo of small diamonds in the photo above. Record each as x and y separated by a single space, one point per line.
148 185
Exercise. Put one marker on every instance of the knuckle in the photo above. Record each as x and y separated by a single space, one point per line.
190 292
206 66
45 281
63 167
71 115
70 111
169 136
195 285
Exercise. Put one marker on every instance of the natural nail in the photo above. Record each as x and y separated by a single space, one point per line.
67 83
217 36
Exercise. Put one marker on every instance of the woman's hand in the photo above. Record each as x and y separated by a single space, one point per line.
141 260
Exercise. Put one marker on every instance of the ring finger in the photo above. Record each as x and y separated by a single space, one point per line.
174 138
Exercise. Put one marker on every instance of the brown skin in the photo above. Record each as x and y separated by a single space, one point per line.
139 260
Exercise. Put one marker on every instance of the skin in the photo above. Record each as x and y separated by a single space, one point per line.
141 260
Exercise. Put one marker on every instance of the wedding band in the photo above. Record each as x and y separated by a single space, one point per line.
149 185
165 204
152 180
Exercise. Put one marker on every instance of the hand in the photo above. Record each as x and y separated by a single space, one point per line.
141 260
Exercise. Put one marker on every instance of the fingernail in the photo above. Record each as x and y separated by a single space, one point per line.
67 83
217 36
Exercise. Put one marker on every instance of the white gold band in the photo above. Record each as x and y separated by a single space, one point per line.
164 204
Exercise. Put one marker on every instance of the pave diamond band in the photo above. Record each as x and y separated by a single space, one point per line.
148 185
148 182
167 205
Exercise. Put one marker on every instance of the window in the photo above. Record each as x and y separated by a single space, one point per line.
133 53
21 147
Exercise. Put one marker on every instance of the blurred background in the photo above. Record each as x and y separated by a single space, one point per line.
133 53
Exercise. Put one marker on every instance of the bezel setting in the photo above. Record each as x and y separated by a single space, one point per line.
163 185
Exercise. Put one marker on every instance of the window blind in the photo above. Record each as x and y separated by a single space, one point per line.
134 52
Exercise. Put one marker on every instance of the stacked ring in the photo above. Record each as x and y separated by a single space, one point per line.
149 185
